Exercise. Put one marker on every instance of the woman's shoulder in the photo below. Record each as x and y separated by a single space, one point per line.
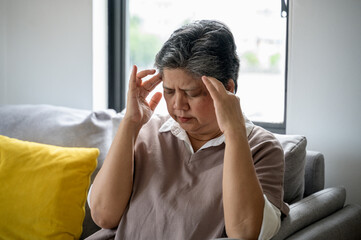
157 120
263 142
153 134
154 124
259 134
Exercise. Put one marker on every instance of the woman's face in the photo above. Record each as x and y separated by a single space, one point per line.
189 103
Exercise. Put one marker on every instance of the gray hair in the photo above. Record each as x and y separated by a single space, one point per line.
202 48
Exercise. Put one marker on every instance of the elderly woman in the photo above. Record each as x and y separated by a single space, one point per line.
203 171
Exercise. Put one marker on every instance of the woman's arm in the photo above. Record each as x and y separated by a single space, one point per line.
113 184
243 200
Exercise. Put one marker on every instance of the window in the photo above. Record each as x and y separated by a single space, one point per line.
259 32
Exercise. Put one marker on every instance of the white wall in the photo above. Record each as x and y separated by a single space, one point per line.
2 51
46 52
100 54
324 86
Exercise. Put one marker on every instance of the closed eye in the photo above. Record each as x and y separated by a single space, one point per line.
194 93
168 91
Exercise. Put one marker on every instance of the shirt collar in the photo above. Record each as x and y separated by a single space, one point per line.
172 126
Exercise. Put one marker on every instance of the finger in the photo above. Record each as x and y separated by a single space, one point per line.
210 87
217 84
150 84
153 103
145 73
133 79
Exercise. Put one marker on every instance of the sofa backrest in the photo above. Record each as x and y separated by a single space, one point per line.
69 127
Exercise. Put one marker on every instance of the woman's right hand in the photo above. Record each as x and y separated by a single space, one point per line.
138 109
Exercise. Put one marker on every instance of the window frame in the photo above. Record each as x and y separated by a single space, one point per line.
117 53
118 24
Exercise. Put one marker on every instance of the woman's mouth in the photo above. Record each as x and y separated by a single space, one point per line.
184 119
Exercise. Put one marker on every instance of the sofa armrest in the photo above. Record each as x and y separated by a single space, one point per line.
314 172
311 209
343 224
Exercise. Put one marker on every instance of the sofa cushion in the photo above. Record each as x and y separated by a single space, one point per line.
43 189
294 147
62 126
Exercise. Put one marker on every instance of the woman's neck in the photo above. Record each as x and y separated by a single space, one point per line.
198 141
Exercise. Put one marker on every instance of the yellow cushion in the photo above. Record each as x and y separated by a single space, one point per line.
43 189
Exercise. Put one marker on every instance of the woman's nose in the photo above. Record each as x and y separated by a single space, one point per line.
180 102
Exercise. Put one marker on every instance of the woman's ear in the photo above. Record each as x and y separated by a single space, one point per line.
231 86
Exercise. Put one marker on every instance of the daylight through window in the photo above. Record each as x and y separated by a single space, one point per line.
259 32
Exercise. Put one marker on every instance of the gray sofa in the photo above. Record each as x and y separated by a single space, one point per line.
315 212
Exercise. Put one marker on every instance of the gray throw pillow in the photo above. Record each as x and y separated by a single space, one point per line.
294 147
60 126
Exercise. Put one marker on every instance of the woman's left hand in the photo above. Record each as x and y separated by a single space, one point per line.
227 106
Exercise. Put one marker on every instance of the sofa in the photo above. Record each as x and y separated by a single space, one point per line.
315 212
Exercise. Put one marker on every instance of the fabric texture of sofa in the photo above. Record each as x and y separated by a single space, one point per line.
315 212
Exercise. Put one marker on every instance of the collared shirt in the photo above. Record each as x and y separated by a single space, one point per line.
271 214
180 191
174 127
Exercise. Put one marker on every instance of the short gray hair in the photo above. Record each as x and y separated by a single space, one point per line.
202 48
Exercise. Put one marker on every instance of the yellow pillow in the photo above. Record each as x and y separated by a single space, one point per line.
43 189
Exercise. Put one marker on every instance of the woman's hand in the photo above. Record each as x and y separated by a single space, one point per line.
227 107
138 109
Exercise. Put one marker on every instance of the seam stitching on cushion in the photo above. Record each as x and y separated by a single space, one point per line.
298 144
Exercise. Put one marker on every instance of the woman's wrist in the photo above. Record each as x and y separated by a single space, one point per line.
235 133
130 126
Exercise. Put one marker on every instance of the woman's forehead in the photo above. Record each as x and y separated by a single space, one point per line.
180 78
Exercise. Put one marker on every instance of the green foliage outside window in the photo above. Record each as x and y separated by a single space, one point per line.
143 46
275 61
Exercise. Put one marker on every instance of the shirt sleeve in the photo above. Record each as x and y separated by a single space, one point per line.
271 220
88 198
268 158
